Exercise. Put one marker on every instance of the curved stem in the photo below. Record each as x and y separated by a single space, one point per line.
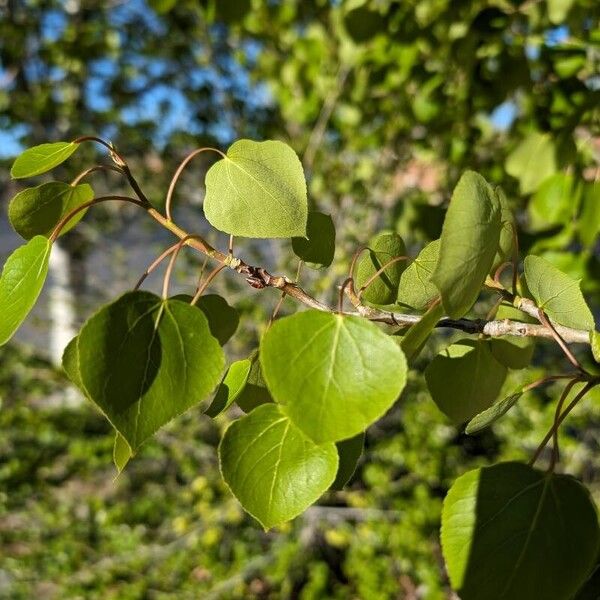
355 257
178 172
561 418
206 283
61 224
378 273
167 279
92 169
347 282
559 406
563 346
155 264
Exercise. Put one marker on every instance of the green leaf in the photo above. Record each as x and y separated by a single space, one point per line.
553 202
22 280
362 24
589 220
558 10
121 452
513 352
382 248
532 161
144 361
510 531
595 344
468 245
557 294
589 591
36 211
318 248
416 288
334 375
492 414
255 392
223 319
230 387
272 468
507 232
349 452
418 334
465 379
42 158
258 190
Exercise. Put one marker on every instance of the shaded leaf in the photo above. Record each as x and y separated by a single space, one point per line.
272 468
318 250
42 158
492 414
349 452
144 361
22 280
557 294
507 232
465 379
382 248
258 190
416 288
255 392
362 24
589 220
36 211
512 351
510 531
335 375
418 334
230 387
468 244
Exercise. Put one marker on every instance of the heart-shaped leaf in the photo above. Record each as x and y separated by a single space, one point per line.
230 387
42 158
349 452
510 531
416 288
468 244
335 375
36 211
317 249
22 280
465 379
258 190
557 294
383 248
144 361
272 468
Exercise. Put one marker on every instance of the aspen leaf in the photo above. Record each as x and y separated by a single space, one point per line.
42 158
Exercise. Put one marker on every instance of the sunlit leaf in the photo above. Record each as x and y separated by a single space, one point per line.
557 294
121 452
465 379
318 248
144 361
258 190
22 280
416 288
492 414
42 158
468 245
36 211
595 344
230 387
272 468
334 375
510 531
382 248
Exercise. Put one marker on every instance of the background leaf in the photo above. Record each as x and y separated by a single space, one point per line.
465 379
22 280
272 468
382 248
36 211
557 294
532 161
319 249
42 158
510 531
144 361
468 245
257 191
335 375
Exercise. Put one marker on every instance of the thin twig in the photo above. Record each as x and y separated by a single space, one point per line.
203 286
379 271
563 346
559 406
87 172
169 271
155 264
